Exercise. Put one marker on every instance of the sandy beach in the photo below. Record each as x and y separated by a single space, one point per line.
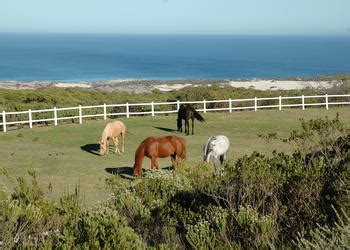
142 85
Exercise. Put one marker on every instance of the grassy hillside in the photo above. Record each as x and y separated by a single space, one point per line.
296 197
65 155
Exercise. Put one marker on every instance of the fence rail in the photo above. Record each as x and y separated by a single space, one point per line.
322 100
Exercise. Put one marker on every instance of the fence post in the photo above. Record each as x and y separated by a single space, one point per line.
55 115
4 121
303 102
255 104
30 118
230 105
80 115
204 106
104 111
280 103
178 105
127 110
326 101
152 106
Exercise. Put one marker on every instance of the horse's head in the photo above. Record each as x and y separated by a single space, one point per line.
103 147
206 157
137 170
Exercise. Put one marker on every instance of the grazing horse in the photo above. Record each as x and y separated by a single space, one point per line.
187 112
112 131
216 147
154 147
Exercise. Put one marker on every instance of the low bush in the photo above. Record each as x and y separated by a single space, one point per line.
326 237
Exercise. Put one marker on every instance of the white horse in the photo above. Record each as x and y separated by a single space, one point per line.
216 147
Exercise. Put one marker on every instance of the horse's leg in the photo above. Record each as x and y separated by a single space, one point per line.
179 125
157 165
107 146
115 140
187 127
154 163
123 135
192 125
222 161
173 159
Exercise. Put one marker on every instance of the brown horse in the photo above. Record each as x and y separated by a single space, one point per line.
154 147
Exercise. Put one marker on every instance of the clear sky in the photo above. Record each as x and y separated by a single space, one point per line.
326 17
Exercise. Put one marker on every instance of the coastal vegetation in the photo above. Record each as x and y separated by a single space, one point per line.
297 197
47 98
18 100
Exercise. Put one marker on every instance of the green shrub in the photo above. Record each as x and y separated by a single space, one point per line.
328 237
209 229
28 220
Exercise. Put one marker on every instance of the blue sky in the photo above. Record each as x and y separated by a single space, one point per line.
310 17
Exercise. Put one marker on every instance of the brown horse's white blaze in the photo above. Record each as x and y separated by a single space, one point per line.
111 132
159 147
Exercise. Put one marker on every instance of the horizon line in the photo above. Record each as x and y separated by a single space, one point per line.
178 34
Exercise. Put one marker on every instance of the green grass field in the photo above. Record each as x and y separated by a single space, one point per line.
64 155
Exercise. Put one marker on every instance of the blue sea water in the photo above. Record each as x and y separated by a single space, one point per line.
70 57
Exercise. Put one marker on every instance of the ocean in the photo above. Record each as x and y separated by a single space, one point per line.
73 57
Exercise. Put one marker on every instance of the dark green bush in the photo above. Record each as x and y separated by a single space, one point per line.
326 237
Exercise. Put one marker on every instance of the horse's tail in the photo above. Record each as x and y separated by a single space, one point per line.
128 132
198 116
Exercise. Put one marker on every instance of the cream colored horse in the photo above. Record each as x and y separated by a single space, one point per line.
112 131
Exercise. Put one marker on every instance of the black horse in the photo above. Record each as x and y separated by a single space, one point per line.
187 112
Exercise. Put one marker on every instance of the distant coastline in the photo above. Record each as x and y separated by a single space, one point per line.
145 85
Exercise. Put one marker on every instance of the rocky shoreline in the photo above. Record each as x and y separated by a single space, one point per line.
142 85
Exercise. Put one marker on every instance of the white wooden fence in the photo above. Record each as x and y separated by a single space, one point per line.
324 100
